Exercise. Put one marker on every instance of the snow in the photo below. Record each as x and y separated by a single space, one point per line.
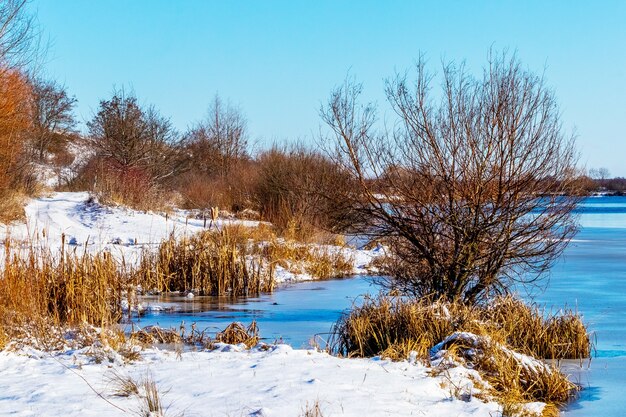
531 364
230 381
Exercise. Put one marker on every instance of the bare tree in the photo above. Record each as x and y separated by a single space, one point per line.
474 192
53 118
132 138
18 34
216 143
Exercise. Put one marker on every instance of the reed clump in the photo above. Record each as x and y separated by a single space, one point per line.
321 262
218 262
535 331
397 324
513 378
236 333
499 340
235 260
43 290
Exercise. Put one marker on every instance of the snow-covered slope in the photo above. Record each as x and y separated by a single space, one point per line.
89 225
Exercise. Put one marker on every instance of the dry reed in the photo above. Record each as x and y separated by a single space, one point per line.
395 327
388 323
44 290
209 263
236 333
312 410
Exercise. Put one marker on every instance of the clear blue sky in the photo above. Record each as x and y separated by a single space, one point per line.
278 60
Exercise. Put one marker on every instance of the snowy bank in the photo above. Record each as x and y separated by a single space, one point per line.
230 381
86 225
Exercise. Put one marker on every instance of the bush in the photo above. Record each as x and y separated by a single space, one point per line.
295 191
232 192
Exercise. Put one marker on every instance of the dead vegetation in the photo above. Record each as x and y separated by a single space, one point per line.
237 261
41 289
145 390
499 340
210 263
312 410
236 334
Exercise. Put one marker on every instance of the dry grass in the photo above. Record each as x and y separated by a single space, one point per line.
11 206
156 335
321 262
151 400
534 331
394 327
237 261
123 386
236 334
312 410
209 263
389 323
43 290
513 378
145 390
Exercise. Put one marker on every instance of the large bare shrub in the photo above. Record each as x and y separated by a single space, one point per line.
219 141
474 188
220 168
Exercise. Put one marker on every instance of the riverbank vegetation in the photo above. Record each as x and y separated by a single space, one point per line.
500 340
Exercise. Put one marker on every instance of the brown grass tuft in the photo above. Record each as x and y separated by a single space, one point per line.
235 333
395 327
312 410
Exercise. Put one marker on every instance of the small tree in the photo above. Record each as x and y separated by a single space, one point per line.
53 118
136 150
131 138
217 143
473 192
220 168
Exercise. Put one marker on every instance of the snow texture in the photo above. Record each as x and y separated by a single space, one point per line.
230 381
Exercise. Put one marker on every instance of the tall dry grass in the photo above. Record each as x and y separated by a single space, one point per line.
213 262
237 261
384 324
41 289
395 327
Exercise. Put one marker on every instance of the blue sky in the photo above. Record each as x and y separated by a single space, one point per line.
278 60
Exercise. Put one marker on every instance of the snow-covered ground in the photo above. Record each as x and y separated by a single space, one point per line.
234 382
126 233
